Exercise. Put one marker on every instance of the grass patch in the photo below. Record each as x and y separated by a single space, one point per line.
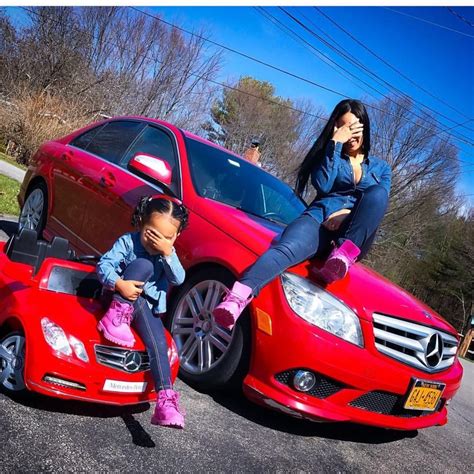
11 160
9 189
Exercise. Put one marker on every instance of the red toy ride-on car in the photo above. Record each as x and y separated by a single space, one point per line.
49 341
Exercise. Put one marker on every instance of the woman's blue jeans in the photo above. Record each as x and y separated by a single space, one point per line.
148 326
305 238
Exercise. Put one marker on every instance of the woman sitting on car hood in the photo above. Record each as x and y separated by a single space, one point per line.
352 196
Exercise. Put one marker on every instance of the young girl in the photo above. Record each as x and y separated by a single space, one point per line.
352 196
139 268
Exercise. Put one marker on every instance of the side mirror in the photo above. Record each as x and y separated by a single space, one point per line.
152 166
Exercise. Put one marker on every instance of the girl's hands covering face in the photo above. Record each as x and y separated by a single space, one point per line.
158 243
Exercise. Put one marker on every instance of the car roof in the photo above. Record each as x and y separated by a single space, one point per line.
186 133
207 142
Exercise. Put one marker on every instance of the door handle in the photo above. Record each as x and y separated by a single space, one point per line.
108 180
66 156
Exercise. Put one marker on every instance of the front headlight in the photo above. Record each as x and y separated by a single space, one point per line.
57 340
320 308
55 337
78 348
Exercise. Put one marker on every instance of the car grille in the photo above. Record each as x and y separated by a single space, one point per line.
389 404
125 360
422 347
324 387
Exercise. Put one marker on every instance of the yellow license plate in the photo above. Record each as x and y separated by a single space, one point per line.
424 395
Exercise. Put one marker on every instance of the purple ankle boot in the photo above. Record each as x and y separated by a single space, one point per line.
339 261
235 301
116 324
167 412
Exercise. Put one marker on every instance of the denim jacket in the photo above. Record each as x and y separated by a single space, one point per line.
168 270
333 179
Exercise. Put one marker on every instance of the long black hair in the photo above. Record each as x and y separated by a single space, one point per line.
316 153
162 204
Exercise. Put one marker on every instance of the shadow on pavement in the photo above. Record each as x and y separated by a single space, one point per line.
9 227
74 407
139 435
237 403
94 410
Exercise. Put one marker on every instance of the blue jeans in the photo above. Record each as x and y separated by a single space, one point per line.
305 238
148 326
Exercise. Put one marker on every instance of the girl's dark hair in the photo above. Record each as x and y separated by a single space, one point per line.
162 204
316 153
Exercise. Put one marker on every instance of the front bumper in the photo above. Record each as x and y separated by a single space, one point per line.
349 372
89 378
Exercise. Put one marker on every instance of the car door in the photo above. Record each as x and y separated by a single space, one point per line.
69 173
129 186
103 182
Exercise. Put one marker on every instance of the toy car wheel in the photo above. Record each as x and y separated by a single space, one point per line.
210 356
12 362
33 213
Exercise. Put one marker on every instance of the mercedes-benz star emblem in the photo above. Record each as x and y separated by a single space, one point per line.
132 361
434 350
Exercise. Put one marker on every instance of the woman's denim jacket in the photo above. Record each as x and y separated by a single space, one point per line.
168 270
333 179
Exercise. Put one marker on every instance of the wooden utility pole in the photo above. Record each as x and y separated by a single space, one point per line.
464 347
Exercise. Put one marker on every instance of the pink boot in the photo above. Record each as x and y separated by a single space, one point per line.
339 261
116 324
167 412
227 313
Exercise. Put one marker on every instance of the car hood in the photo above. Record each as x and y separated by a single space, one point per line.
367 292
253 232
363 290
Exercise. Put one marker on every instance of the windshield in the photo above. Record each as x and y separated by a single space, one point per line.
231 180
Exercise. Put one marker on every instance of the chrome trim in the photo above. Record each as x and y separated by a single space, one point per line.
87 399
75 235
423 347
120 359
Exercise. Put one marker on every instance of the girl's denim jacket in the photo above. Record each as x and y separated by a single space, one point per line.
168 270
333 179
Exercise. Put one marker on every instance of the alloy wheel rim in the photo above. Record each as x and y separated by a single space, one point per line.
30 217
201 342
12 361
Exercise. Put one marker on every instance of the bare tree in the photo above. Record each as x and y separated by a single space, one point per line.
104 61
250 109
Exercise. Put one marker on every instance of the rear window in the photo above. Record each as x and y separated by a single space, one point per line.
82 141
111 140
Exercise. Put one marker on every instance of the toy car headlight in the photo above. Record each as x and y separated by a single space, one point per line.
55 337
79 349
318 307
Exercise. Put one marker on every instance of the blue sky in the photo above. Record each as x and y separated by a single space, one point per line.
435 57
438 59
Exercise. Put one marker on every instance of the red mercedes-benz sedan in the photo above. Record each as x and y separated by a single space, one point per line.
361 349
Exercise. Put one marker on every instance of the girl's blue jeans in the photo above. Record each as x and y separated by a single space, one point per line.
148 326
305 238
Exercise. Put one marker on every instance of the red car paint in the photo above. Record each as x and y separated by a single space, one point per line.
92 215
26 299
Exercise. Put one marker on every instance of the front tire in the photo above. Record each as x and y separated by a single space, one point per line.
12 363
210 356
35 209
